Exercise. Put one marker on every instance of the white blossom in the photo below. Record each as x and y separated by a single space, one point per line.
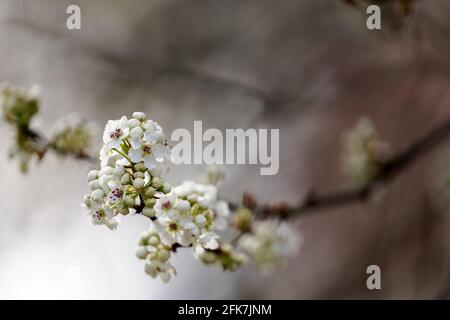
270 243
115 132
126 180
189 211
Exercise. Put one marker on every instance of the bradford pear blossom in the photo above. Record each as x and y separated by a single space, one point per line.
115 132
211 251
135 140
126 183
156 254
270 243
152 156
188 211
364 152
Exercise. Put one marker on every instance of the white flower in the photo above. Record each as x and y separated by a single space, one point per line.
152 132
153 156
270 243
163 270
115 132
103 215
209 240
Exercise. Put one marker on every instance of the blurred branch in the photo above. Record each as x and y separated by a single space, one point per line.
150 72
389 170
48 145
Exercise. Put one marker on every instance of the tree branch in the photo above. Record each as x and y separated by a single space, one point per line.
389 170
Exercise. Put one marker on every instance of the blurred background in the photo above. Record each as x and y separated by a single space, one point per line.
310 68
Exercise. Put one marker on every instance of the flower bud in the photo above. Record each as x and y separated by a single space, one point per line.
148 212
164 276
141 252
92 175
118 171
133 123
97 195
183 205
139 116
126 179
151 270
200 220
149 192
139 174
157 183
163 255
243 219
87 201
106 171
123 211
140 167
207 257
94 184
138 183
129 201
153 240
150 202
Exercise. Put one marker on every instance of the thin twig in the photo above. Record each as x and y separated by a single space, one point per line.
389 170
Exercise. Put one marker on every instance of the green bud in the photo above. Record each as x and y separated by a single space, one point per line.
148 212
97 195
140 167
139 116
195 209
208 257
141 252
129 201
163 255
243 219
126 179
123 210
133 123
94 184
138 183
149 192
153 240
150 202
139 174
151 270
157 183
87 201
92 175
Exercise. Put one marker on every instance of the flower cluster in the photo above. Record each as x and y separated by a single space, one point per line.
156 255
188 216
269 243
137 140
19 106
210 251
364 153
188 211
133 158
128 180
